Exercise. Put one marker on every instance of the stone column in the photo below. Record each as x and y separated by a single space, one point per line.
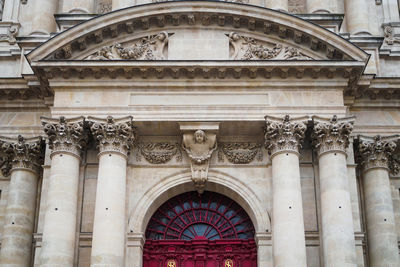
67 138
115 138
118 4
331 138
356 12
78 6
376 153
281 5
23 160
282 139
319 6
43 21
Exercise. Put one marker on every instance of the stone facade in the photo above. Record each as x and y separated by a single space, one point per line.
110 108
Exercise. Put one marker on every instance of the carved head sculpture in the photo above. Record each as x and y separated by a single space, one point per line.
162 36
200 136
234 36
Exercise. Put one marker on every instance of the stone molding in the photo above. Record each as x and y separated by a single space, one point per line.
114 135
66 135
239 152
332 134
377 152
159 152
284 134
21 153
199 147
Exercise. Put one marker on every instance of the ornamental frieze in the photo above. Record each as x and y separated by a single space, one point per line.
113 134
147 48
66 135
21 153
240 153
284 134
378 152
332 134
159 152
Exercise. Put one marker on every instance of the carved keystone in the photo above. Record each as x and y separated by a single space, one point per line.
199 142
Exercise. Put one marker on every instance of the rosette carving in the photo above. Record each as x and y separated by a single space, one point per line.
377 152
159 153
113 135
239 153
66 135
21 153
284 134
332 134
199 147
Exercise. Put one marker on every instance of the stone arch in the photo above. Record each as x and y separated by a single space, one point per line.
179 183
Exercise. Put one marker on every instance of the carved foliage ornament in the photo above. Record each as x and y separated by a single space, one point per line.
332 134
246 48
377 152
240 153
66 135
159 153
148 48
199 146
388 33
113 135
21 153
284 134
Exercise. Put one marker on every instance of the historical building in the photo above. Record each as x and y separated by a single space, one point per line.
235 133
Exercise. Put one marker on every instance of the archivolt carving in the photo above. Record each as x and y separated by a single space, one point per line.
247 48
159 153
240 153
147 48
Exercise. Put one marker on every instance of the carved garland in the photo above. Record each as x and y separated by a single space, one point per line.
239 153
159 153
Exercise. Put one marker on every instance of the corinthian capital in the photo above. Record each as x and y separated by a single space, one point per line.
113 135
21 153
332 134
377 152
284 135
66 135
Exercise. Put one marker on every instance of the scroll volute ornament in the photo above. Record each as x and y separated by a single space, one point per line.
332 134
21 153
284 134
199 146
113 134
66 135
377 152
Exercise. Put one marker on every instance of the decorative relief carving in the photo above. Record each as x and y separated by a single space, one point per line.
148 48
66 135
247 48
388 33
332 134
199 146
240 153
9 37
21 153
297 6
113 135
377 152
159 153
104 6
284 134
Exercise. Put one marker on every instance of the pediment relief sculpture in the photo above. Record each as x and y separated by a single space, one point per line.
147 48
247 48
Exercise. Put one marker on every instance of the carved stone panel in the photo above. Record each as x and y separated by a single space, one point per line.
159 152
297 6
104 6
239 153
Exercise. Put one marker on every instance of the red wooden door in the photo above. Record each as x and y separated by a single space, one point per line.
208 230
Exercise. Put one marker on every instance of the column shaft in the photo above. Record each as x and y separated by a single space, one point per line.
43 22
59 230
281 5
78 6
109 220
319 6
381 229
19 220
287 213
357 16
337 220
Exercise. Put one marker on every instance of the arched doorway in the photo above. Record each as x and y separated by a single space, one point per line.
192 230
